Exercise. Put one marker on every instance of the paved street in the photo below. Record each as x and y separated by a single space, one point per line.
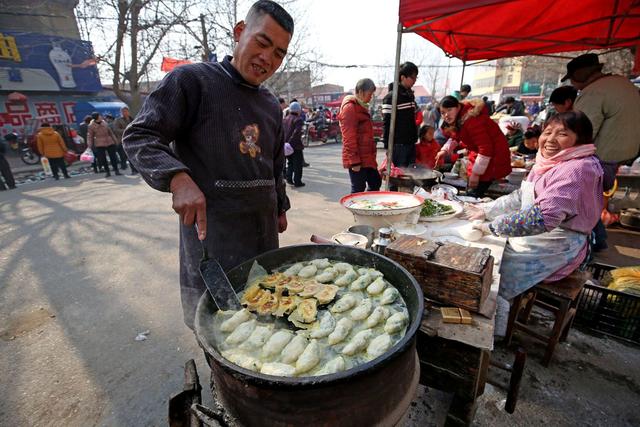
88 263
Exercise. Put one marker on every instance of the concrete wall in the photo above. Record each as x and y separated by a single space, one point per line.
52 17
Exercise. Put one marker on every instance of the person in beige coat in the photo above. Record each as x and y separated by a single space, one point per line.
102 141
52 146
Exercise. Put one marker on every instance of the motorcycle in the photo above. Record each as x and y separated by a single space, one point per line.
321 132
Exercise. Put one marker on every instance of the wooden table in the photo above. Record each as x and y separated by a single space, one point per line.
455 358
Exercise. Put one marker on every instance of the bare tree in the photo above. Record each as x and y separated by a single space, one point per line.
140 28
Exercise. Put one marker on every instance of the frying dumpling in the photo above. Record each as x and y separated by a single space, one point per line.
276 343
361 282
273 280
309 358
363 310
346 278
234 321
321 263
267 304
343 267
343 327
334 365
294 286
258 337
286 305
310 289
379 345
278 369
251 297
343 304
327 275
326 326
326 294
307 311
308 271
242 360
389 296
241 333
378 315
294 349
396 322
358 342
371 272
377 286
294 269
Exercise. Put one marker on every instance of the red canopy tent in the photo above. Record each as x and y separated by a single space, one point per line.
479 30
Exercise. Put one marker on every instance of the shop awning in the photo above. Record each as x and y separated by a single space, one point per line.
490 29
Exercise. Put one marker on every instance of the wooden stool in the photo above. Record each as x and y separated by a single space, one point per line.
560 298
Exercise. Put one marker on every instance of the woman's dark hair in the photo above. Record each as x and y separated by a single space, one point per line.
365 85
274 10
576 121
449 102
423 130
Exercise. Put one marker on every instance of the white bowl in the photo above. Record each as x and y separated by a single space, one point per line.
383 208
350 239
408 228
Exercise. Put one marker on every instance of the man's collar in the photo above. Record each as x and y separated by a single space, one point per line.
231 71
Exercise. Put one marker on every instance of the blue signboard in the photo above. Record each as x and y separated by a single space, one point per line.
38 62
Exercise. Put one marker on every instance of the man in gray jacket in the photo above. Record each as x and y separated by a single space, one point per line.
118 126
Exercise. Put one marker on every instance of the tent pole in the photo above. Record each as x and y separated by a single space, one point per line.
464 65
394 105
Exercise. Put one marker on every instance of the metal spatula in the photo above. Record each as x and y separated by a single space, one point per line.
217 282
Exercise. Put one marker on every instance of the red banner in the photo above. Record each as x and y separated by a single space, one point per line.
169 64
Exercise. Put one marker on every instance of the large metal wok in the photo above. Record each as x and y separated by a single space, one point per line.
371 393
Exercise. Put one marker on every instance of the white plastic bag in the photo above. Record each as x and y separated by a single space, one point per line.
288 149
87 155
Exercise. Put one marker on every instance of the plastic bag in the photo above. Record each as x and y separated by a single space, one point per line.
288 149
87 156
70 157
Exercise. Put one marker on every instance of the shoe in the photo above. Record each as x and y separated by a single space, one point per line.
56 178
118 173
67 177
305 165
290 182
107 175
302 184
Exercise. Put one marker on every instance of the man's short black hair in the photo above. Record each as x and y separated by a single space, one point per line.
465 88
562 93
408 69
281 100
509 100
274 10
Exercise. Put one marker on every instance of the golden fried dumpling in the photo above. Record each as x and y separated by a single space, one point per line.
268 304
326 294
273 280
285 306
311 288
294 286
252 296
308 310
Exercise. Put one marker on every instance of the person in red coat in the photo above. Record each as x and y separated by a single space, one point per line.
468 122
427 148
358 145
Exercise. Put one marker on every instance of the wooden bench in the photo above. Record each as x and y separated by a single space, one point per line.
559 298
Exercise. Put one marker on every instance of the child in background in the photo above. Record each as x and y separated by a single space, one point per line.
427 147
529 145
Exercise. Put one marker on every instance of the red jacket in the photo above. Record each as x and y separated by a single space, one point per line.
358 145
426 153
481 135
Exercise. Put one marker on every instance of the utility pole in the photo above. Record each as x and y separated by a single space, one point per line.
206 52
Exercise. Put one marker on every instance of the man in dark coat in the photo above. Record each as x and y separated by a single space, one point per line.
225 170
293 135
406 130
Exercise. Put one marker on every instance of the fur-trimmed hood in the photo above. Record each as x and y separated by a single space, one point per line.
470 108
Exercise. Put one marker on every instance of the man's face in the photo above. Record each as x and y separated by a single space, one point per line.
408 82
564 107
261 46
125 113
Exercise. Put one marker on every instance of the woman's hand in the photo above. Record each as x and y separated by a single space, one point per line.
440 154
472 212
356 168
482 226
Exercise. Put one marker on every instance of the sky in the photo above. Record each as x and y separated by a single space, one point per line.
364 32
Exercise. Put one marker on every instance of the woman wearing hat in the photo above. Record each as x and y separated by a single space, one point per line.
514 134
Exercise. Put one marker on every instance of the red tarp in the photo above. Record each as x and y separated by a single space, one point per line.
490 29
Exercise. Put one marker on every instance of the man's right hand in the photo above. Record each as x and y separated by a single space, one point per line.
189 202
